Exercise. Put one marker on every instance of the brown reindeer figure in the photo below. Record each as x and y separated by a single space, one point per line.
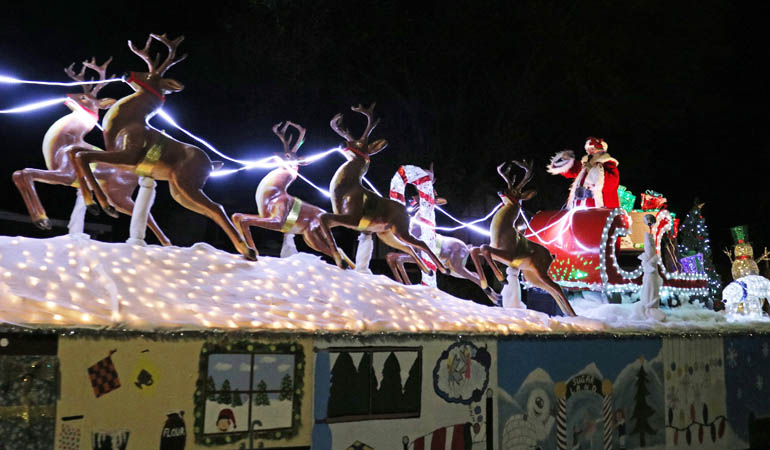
361 209
64 139
509 247
280 211
451 251
135 145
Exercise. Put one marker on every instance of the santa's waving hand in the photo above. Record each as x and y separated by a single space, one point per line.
596 175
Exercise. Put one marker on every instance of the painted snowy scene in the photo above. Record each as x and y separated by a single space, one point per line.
267 402
639 409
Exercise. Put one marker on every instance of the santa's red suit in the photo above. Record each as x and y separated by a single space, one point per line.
596 176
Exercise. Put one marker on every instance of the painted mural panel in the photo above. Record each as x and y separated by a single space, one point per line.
29 387
580 394
696 410
747 385
429 394
174 396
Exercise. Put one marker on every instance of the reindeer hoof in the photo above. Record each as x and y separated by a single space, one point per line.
111 211
93 209
251 254
44 223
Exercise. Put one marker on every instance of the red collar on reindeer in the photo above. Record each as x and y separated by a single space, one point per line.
71 100
358 152
504 196
145 86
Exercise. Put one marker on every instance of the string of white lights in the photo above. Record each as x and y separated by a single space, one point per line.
269 162
11 80
33 106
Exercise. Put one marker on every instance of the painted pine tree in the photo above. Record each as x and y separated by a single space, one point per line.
694 238
225 397
210 388
286 388
237 400
642 411
260 397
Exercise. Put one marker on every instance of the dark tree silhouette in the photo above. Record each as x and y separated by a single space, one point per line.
410 401
342 392
390 391
642 411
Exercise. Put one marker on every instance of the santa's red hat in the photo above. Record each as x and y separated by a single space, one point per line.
227 413
596 144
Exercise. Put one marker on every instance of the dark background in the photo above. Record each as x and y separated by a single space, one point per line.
677 89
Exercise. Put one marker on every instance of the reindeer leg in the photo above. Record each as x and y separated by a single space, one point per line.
392 260
193 198
400 262
25 182
329 221
314 238
418 244
478 277
492 254
244 222
543 281
390 239
82 161
479 265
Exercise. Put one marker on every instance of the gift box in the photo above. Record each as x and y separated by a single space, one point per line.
693 264
652 200
627 199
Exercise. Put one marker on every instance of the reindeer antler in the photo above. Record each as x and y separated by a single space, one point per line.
505 174
152 63
527 166
77 77
336 124
101 70
172 46
281 133
370 122
145 53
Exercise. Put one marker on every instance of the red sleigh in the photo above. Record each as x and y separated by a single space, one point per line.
595 249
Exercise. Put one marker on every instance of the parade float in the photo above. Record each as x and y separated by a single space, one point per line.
136 346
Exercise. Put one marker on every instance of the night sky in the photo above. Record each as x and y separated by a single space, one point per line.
677 89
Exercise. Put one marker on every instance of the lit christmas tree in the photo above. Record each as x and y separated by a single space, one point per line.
693 239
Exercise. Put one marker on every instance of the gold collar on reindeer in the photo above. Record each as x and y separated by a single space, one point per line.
145 166
291 218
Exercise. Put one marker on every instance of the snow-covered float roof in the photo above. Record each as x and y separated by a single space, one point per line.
73 281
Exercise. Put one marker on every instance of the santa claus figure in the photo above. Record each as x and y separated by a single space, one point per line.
596 175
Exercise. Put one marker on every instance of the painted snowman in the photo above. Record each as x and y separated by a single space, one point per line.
528 431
